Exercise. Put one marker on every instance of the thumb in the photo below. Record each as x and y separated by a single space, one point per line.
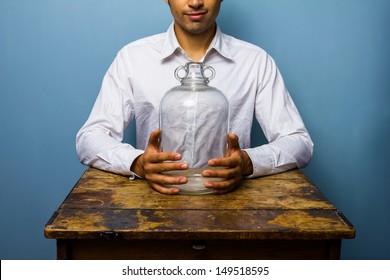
233 143
154 139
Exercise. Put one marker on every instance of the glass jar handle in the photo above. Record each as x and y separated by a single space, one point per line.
178 69
211 69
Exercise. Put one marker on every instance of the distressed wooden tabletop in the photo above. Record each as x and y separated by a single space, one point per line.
280 206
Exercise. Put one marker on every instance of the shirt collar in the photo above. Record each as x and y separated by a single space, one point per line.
219 44
171 44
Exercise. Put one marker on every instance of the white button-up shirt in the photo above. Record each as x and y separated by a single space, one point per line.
143 71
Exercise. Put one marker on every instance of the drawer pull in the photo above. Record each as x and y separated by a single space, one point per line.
198 245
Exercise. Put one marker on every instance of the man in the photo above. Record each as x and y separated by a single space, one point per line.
143 71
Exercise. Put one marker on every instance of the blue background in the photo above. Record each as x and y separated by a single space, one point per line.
334 56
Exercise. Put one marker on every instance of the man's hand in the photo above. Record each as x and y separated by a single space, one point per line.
235 165
151 164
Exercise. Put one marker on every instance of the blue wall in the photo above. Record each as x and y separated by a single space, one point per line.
333 55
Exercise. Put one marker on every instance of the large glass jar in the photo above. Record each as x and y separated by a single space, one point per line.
194 121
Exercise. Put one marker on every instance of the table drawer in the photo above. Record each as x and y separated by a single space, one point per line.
199 249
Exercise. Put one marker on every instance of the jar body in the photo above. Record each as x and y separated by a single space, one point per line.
194 121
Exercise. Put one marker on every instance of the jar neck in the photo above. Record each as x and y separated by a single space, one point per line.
195 74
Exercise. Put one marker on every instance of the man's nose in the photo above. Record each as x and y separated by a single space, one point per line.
195 3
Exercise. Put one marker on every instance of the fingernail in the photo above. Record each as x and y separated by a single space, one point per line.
211 163
182 180
208 184
206 174
184 166
178 156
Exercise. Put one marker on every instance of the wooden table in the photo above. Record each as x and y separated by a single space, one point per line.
282 216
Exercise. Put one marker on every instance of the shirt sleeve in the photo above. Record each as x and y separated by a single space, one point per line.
99 141
290 145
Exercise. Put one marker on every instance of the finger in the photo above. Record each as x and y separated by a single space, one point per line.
162 179
224 184
164 190
160 182
222 173
159 157
231 161
165 167
154 139
233 142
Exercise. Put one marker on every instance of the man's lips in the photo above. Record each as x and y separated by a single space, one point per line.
196 16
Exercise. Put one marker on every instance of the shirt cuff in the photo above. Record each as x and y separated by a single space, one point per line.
262 161
133 176
118 160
